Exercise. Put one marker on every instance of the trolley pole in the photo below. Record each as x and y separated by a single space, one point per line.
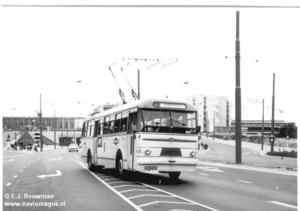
238 128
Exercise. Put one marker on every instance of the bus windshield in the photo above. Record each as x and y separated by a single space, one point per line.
168 121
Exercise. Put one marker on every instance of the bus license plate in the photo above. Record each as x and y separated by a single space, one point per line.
150 168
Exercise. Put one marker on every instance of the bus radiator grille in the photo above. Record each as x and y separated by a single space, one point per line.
171 152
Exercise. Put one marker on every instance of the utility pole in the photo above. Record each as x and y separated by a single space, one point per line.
139 95
272 139
263 125
54 130
214 126
41 124
238 128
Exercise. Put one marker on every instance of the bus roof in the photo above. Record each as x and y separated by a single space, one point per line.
162 104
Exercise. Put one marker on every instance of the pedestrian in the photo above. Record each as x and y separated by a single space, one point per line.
35 148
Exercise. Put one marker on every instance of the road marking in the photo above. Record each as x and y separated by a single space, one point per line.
179 197
120 186
244 181
153 189
8 160
214 169
54 159
168 202
134 197
8 184
111 179
15 176
116 192
58 173
125 191
283 204
203 174
115 182
20 170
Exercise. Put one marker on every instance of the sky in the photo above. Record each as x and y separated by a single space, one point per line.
63 54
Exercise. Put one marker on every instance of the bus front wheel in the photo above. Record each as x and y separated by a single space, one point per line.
174 175
120 167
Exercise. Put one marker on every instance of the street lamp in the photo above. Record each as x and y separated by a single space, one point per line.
262 133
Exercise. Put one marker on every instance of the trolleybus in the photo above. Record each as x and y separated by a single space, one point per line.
149 135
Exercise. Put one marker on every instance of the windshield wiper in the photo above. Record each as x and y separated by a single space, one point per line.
183 124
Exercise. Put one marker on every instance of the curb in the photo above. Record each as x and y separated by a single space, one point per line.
252 168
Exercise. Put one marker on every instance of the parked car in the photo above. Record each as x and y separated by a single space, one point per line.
73 147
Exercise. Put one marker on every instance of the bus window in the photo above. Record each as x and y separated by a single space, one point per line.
117 123
91 130
105 126
83 130
96 128
100 128
132 122
111 124
124 122
86 129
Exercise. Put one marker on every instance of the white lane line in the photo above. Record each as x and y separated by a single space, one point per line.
8 184
179 197
112 189
283 204
134 197
214 169
20 170
168 202
8 160
244 181
125 191
203 174
111 179
118 182
120 186
15 176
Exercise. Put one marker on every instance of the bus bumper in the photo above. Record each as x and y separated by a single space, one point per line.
166 164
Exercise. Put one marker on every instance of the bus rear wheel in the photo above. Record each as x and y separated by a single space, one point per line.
174 175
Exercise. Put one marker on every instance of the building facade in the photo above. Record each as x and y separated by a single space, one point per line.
48 123
255 126
213 111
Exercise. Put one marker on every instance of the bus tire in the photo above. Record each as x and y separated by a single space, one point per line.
91 166
120 166
174 175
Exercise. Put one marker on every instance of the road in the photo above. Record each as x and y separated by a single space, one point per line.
62 178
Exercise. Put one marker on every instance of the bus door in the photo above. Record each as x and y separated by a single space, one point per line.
99 143
131 140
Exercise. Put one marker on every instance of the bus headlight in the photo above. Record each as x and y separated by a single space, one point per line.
193 153
147 152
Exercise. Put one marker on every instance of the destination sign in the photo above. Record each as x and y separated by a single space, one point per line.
169 105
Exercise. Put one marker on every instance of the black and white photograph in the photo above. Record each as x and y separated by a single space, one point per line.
149 105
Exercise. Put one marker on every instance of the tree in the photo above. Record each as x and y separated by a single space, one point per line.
288 130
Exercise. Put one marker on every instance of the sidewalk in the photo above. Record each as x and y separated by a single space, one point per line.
248 145
45 149
292 170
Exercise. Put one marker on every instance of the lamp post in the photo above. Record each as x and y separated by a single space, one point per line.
238 132
263 122
272 140
54 130
41 124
